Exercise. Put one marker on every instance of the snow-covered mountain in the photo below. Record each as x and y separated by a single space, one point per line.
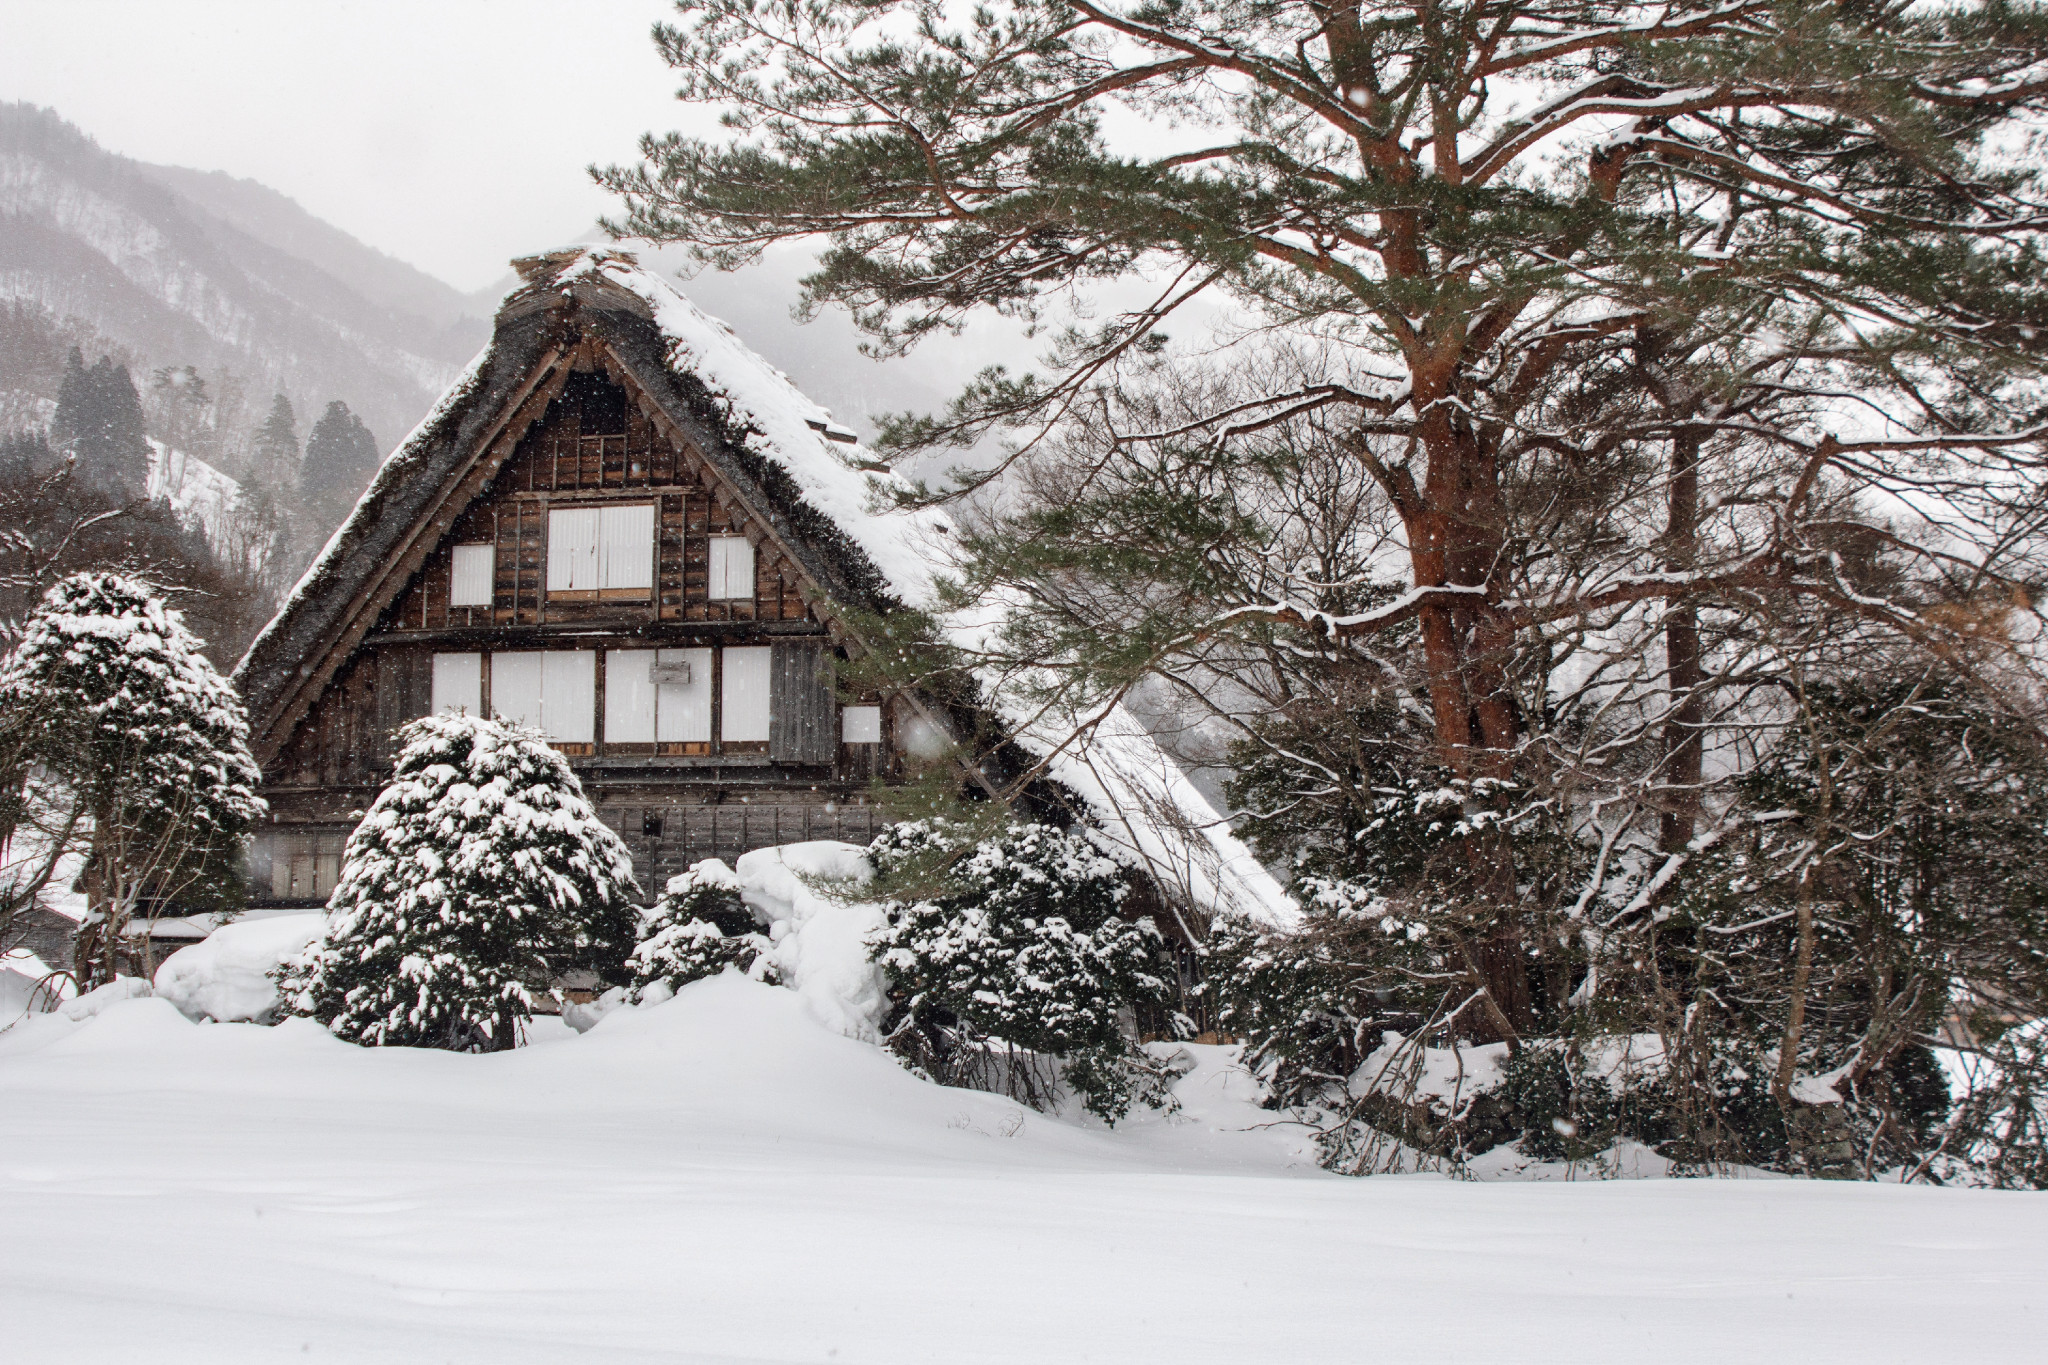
184 267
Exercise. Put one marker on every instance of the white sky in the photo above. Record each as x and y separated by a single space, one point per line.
450 133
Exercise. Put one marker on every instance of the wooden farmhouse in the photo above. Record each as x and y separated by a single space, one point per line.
627 530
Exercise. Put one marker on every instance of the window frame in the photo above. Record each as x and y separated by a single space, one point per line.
459 577
599 549
718 580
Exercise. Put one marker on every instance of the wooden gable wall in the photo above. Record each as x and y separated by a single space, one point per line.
566 458
555 465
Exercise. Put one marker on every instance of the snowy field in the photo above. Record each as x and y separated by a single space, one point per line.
719 1178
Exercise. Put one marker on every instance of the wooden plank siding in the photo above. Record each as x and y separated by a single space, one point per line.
555 465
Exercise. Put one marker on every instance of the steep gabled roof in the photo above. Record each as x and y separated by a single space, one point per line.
824 501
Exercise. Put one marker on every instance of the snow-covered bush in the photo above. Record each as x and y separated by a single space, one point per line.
480 874
698 928
230 975
1011 948
141 753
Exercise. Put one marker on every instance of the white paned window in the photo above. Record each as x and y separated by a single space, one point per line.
572 549
744 697
458 683
601 549
554 691
684 709
625 547
731 564
515 686
471 582
654 695
305 868
629 696
861 725
568 695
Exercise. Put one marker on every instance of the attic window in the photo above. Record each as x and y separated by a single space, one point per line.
605 550
471 572
730 566
600 404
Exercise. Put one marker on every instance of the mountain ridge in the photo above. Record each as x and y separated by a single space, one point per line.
184 267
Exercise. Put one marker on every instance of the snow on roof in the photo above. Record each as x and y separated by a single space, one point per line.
837 476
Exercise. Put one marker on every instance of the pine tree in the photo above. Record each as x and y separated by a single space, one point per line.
183 409
274 462
1566 290
74 399
142 749
23 455
479 874
341 455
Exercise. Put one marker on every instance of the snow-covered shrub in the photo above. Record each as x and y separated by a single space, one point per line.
1290 999
698 928
1010 948
142 753
480 874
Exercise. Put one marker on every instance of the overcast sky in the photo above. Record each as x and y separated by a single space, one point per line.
450 133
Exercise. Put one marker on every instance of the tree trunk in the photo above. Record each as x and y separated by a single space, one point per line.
1464 652
96 951
1683 741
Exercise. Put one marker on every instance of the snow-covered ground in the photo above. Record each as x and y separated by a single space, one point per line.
721 1178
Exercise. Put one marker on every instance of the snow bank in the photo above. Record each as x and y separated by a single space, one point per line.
720 1178
226 976
1443 1077
21 976
820 940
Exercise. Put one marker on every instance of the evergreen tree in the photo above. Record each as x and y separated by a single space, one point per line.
341 455
479 874
274 462
1014 945
74 400
23 455
182 408
99 423
698 928
142 749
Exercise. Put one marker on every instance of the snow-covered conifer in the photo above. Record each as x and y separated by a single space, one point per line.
479 874
1019 940
139 749
698 928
